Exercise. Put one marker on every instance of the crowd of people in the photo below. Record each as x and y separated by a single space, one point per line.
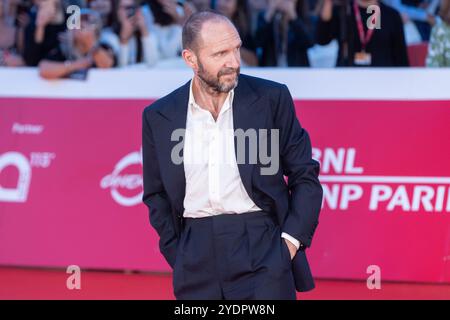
67 37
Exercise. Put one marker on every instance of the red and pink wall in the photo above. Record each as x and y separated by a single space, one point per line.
71 173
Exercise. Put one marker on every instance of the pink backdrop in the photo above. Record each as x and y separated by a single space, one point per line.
76 197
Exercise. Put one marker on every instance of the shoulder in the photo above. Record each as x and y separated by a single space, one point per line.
275 94
165 101
262 86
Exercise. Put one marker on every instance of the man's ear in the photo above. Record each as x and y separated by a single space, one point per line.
189 58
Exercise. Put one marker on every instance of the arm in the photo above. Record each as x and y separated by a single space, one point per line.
155 196
328 24
302 172
413 13
248 50
36 32
302 37
263 30
150 47
249 57
169 46
124 53
32 50
148 40
103 58
56 69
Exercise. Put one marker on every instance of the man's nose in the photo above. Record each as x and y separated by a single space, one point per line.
234 60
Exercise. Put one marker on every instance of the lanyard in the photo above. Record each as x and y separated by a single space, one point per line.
363 38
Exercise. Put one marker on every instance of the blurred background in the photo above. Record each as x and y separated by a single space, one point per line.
76 75
276 33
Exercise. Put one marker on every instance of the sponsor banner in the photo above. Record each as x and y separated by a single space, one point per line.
71 186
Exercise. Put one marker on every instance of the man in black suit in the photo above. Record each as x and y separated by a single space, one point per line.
229 225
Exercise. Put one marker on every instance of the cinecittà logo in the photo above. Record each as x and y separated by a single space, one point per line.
23 165
117 181
18 193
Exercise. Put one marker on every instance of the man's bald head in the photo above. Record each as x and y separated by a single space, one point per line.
191 35
211 47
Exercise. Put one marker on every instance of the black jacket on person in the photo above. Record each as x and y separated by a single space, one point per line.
387 46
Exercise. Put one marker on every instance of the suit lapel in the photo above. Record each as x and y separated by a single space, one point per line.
244 117
176 113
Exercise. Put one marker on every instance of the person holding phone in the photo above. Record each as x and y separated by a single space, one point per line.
137 44
166 20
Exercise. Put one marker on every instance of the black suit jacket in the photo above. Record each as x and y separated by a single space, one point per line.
257 104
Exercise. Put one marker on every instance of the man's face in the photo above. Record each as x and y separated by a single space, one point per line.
218 56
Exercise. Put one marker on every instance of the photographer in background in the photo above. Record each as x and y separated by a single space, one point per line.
137 45
167 18
78 51
359 45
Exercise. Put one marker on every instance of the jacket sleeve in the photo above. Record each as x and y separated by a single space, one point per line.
302 172
155 196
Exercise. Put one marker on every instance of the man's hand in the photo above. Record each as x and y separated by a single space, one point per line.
291 247
46 13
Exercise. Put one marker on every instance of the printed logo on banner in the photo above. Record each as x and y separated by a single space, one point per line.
121 184
19 192
20 128
407 193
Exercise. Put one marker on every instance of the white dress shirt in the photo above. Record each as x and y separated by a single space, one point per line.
213 182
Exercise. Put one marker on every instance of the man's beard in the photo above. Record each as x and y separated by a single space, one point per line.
214 83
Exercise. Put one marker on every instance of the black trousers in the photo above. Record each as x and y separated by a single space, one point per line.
233 256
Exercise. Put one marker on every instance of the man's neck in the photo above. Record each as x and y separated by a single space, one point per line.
207 98
366 3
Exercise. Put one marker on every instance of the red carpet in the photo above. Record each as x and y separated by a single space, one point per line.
23 283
